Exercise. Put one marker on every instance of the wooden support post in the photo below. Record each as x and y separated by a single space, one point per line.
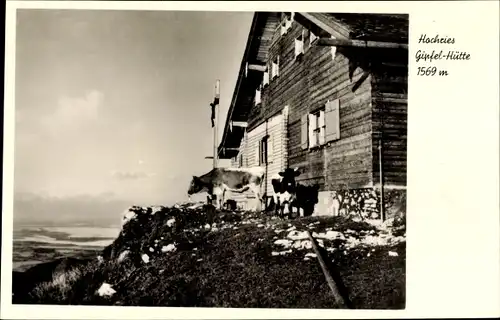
216 121
360 44
381 179
331 283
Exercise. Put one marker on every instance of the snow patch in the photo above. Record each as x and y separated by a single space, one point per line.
106 290
168 248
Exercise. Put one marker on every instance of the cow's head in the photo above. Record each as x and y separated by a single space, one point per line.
195 186
288 178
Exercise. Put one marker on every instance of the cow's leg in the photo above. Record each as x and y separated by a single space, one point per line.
218 192
256 191
275 200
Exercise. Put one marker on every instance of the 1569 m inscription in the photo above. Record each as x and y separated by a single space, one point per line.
430 56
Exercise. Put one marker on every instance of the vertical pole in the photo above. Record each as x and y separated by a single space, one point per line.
216 121
215 138
381 178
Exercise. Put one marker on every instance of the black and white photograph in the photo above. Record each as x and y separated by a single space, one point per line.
300 203
221 158
210 159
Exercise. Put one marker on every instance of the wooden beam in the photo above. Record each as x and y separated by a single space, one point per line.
329 279
340 32
361 44
257 67
240 124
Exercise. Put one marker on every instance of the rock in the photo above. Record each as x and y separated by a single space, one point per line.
123 255
311 255
297 235
281 253
169 248
170 222
393 254
329 235
155 209
283 242
145 258
106 290
304 244
128 215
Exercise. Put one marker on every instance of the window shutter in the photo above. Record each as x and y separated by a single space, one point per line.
270 149
257 154
333 50
257 96
312 37
312 126
299 46
332 120
277 65
304 133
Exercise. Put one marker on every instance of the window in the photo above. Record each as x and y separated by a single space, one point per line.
317 128
321 126
241 160
275 68
263 150
286 22
257 99
309 38
299 45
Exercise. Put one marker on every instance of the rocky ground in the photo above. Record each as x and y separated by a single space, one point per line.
194 256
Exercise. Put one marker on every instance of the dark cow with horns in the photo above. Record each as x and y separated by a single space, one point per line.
219 180
287 194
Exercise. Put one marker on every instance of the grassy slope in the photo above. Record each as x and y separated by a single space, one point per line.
232 267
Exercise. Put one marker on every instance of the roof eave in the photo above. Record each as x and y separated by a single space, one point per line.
239 80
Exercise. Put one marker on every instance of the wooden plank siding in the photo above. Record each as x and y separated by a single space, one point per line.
390 118
305 85
371 87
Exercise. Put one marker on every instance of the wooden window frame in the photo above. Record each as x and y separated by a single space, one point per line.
258 101
275 68
319 129
263 148
240 160
300 39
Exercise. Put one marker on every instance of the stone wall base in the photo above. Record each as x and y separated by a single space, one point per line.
364 203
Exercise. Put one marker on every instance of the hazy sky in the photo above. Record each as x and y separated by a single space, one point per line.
115 104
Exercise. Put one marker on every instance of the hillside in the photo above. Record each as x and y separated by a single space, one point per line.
197 257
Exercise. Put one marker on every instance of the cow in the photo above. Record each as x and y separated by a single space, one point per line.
219 180
306 197
288 194
284 188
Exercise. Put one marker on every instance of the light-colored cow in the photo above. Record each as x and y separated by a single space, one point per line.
219 180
